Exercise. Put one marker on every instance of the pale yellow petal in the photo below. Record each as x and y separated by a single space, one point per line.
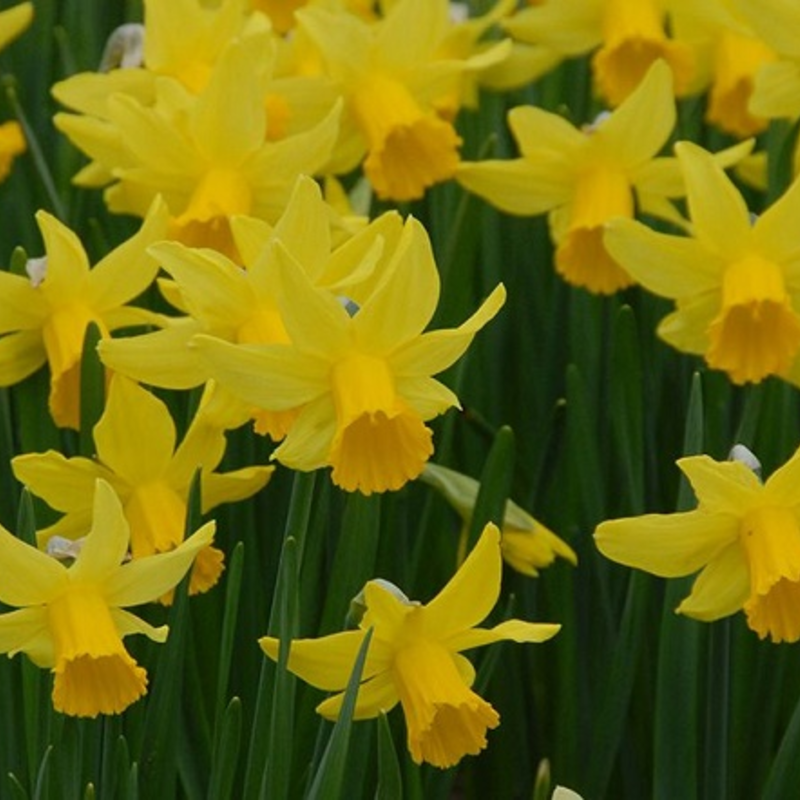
65 484
515 630
135 437
471 593
404 303
304 227
328 661
67 264
401 52
668 545
427 396
641 126
21 354
343 39
162 358
686 329
434 351
722 587
776 90
521 186
145 579
106 545
776 235
20 629
22 308
202 447
29 577
228 487
783 486
375 695
127 624
726 487
13 21
720 217
128 270
670 266
275 377
536 130
308 443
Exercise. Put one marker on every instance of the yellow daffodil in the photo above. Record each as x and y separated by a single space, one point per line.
627 37
392 79
415 658
526 544
44 317
207 154
744 536
363 379
135 441
72 619
586 177
241 305
735 281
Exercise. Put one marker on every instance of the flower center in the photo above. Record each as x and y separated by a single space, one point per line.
446 720
737 58
380 444
63 336
771 540
633 38
409 149
94 674
601 193
756 332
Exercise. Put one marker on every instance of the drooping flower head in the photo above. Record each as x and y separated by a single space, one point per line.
743 538
415 657
527 545
71 618
735 281
44 317
135 440
362 375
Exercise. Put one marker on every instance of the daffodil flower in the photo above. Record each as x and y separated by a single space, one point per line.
415 658
72 619
735 281
527 545
44 317
744 538
136 454
240 305
363 380
13 21
586 177
627 37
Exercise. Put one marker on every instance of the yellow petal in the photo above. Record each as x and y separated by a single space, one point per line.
668 545
21 354
721 589
686 329
434 351
229 487
13 21
376 695
65 484
720 217
727 487
536 130
471 593
328 661
515 630
308 442
23 629
21 306
143 580
128 624
29 577
135 437
67 264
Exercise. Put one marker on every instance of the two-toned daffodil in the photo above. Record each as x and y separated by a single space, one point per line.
627 37
744 538
415 657
44 317
361 376
207 154
72 618
527 545
735 281
586 177
240 305
392 79
136 453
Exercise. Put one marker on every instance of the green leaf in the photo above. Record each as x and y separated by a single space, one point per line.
390 781
226 758
93 392
328 782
